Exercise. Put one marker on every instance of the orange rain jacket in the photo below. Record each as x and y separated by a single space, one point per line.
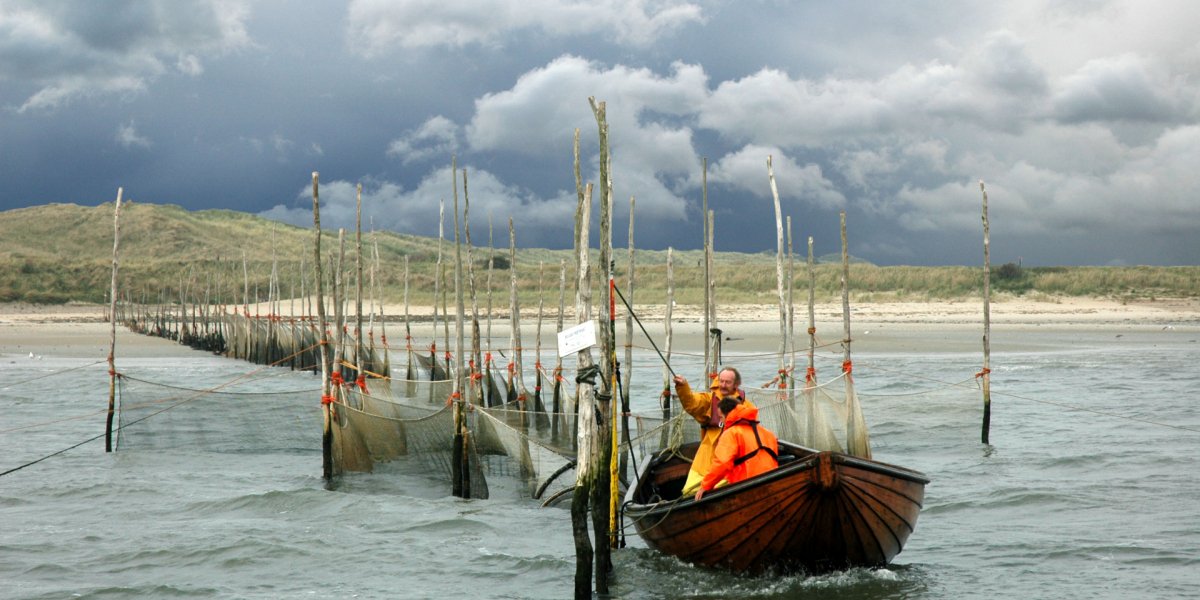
745 449
700 405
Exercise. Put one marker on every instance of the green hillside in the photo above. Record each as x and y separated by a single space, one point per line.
62 252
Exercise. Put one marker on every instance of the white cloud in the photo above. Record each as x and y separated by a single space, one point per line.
127 136
385 24
1151 191
436 138
746 169
653 159
69 49
416 210
1125 87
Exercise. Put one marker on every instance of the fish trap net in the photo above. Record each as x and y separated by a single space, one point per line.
155 416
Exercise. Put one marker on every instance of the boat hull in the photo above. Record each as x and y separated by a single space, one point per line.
821 511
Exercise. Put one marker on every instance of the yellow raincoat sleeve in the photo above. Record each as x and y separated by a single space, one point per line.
697 405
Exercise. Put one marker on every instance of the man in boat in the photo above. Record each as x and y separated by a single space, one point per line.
703 407
743 450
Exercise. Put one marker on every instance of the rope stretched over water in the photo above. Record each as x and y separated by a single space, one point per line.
53 374
124 425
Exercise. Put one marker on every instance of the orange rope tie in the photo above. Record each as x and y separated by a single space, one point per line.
985 371
537 388
362 382
812 330
328 399
450 400
847 367
336 379
811 375
384 339
476 376
511 368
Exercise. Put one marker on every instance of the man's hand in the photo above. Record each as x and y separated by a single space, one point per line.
679 380
699 492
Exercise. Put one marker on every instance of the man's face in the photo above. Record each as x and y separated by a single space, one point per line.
727 383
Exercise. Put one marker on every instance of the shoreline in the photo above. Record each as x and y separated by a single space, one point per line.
79 330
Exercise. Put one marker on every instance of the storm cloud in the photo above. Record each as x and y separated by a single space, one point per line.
1080 117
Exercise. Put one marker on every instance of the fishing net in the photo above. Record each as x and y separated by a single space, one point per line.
827 417
374 434
155 416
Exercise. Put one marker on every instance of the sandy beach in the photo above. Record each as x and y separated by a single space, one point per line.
79 330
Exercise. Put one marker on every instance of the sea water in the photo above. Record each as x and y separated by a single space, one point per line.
1062 504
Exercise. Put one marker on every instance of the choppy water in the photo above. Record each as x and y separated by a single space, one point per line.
1064 504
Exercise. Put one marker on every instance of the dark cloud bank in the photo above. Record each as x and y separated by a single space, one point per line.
1081 117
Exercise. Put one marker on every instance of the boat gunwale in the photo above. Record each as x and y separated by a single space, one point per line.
638 510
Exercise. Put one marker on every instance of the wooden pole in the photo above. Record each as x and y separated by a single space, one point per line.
791 336
326 392
810 378
360 378
704 242
586 459
476 362
602 514
491 267
628 350
437 286
779 276
557 410
409 375
666 394
711 306
845 298
112 321
339 286
518 377
463 480
446 316
987 321
539 407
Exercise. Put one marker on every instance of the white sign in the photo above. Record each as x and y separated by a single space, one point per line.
577 338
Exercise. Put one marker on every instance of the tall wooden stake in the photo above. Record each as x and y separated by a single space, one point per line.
779 276
711 306
463 481
810 378
476 363
791 335
604 526
628 353
326 392
358 300
515 320
437 286
112 319
666 393
586 459
987 322
557 422
707 274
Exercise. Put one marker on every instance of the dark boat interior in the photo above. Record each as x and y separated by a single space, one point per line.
662 478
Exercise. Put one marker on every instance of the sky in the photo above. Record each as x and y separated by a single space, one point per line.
1081 117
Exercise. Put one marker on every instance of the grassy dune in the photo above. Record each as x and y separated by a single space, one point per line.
61 252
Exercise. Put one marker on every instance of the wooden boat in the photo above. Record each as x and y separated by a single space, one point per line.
818 511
